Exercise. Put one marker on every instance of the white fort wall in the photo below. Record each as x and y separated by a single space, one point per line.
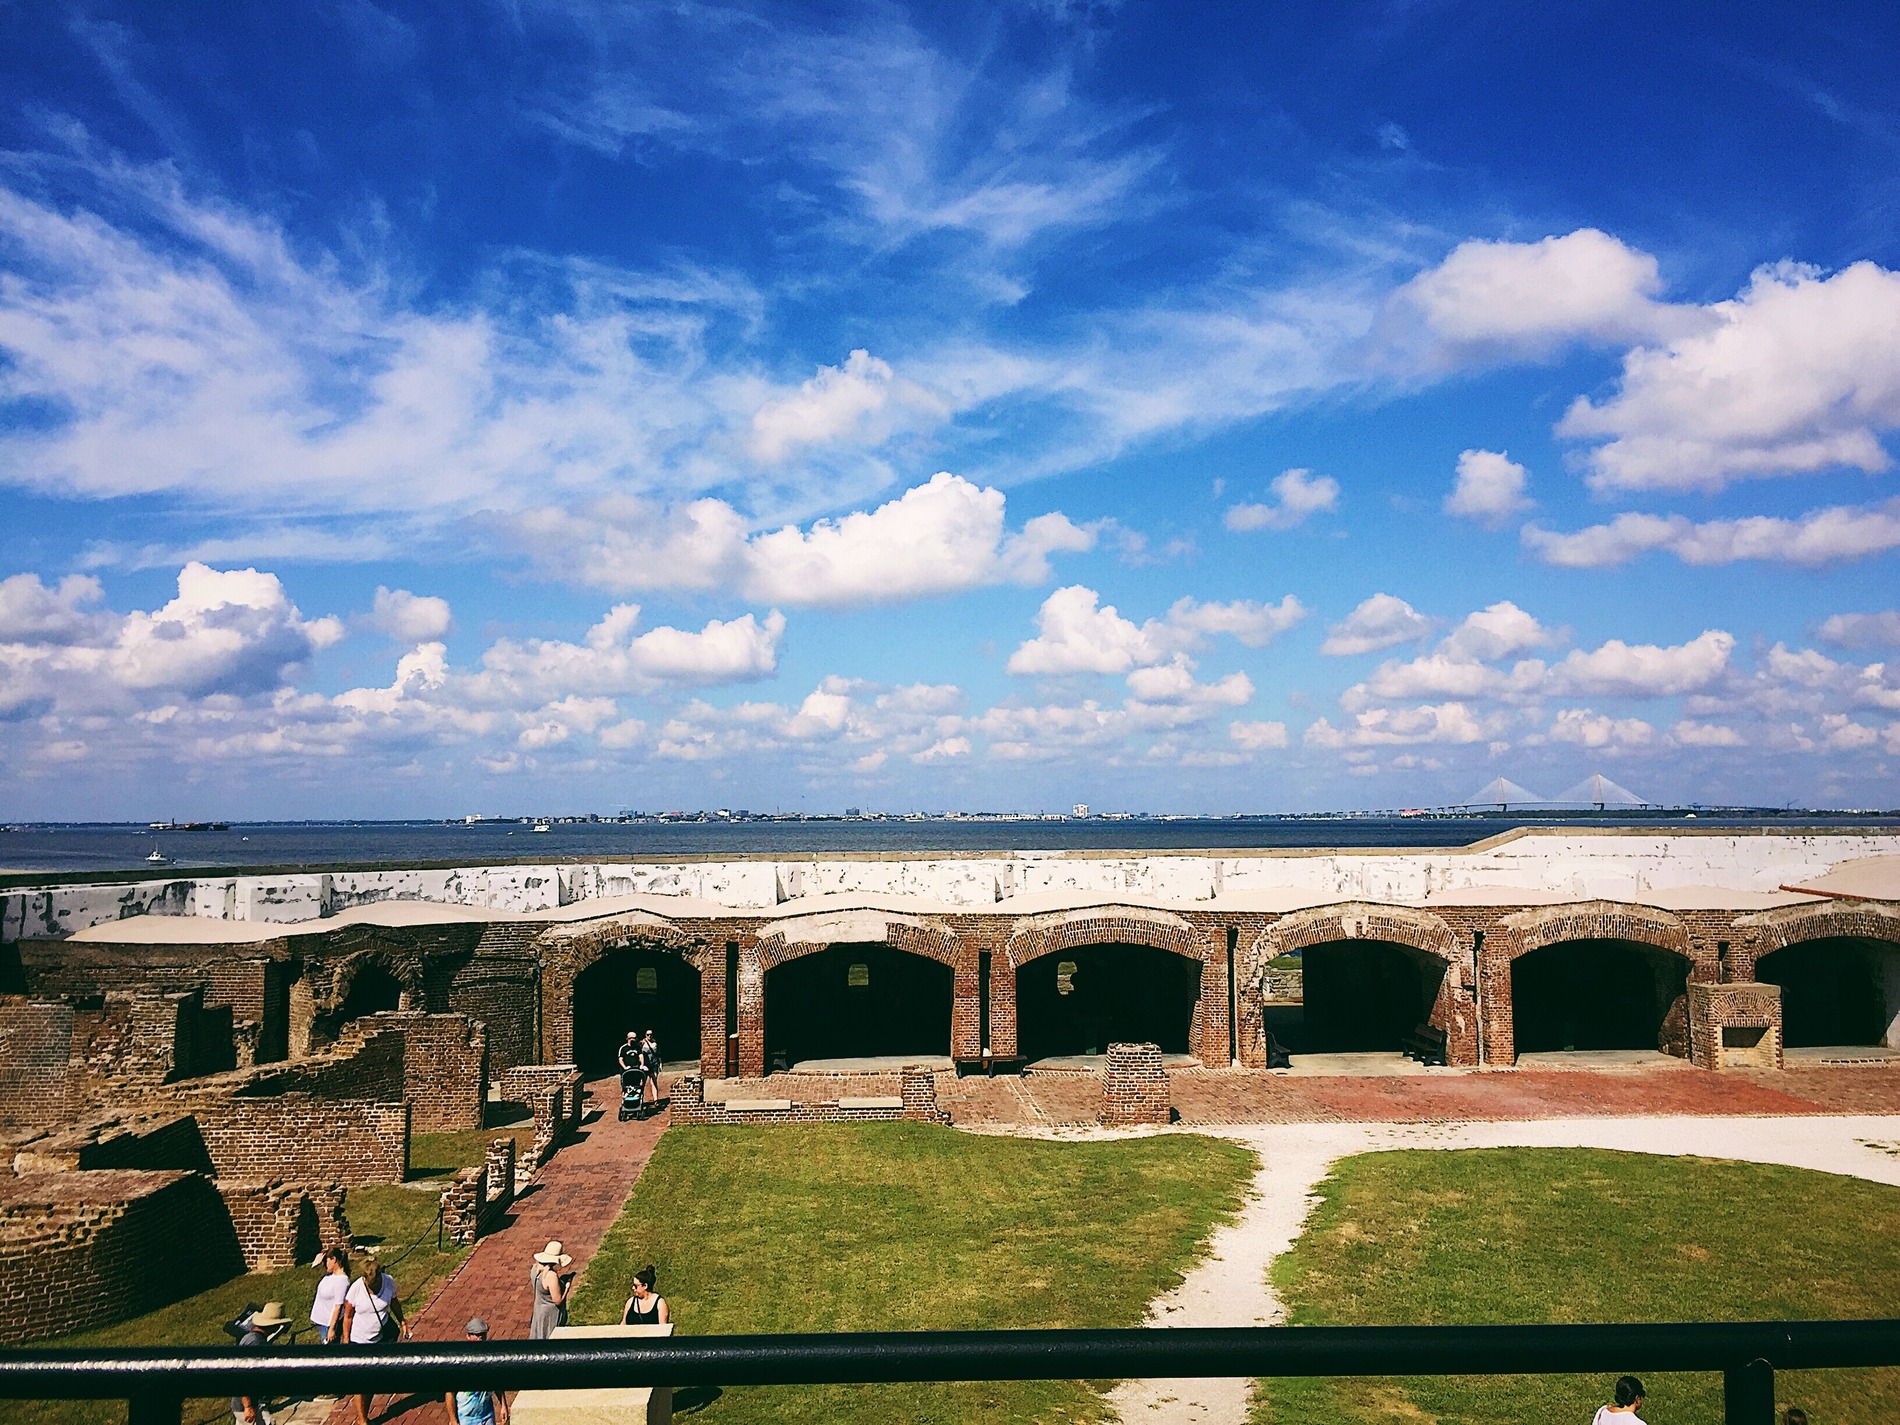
1532 865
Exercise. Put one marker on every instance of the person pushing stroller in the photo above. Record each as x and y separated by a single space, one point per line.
633 1077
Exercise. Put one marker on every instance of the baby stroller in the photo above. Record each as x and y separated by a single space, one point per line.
632 1094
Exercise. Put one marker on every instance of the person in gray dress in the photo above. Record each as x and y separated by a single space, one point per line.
550 1285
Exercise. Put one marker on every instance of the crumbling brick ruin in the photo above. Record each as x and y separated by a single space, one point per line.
258 1069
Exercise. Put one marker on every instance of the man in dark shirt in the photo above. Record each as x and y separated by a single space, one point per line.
264 1327
632 1066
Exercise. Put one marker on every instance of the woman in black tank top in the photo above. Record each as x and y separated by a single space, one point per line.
645 1307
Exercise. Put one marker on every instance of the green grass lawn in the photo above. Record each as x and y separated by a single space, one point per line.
1567 1235
437 1155
909 1227
391 1218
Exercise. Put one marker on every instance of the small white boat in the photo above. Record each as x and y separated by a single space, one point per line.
541 826
159 858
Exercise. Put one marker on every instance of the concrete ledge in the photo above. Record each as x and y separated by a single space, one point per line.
597 1407
759 1105
886 1101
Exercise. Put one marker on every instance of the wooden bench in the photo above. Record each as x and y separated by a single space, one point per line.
1425 1044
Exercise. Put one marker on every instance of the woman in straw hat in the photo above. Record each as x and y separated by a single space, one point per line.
550 1285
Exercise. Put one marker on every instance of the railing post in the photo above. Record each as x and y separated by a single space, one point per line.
154 1407
1748 1394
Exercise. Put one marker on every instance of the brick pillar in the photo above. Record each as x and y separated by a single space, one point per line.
465 1204
712 1012
1135 1089
966 1008
920 1096
751 1013
1004 1040
1494 971
500 1162
1210 1014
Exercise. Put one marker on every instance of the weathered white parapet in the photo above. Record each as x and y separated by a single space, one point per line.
1540 865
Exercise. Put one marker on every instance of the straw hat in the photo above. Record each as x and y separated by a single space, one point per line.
553 1256
270 1317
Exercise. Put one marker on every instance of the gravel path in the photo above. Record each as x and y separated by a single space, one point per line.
1230 1288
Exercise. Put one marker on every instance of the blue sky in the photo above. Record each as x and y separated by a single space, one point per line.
413 410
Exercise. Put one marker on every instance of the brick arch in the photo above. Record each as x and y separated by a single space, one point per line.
405 969
1356 920
1036 936
1770 930
1530 930
1788 927
914 935
566 953
1527 931
318 995
1419 930
803 935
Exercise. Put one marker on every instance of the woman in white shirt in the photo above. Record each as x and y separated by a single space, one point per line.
327 1310
1626 1397
371 1316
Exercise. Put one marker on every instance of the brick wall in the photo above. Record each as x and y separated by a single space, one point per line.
523 1080
302 1137
281 1225
85 1249
35 1042
1135 1088
444 1066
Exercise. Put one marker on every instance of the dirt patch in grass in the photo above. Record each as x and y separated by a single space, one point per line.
1571 1235
910 1227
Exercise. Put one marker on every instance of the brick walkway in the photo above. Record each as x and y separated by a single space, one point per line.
575 1200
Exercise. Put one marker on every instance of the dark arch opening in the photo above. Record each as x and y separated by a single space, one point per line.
635 989
1594 994
1833 991
1080 1001
373 991
1358 996
855 1002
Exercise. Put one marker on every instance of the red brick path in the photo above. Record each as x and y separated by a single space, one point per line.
575 1200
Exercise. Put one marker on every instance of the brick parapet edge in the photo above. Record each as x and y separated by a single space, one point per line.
688 1106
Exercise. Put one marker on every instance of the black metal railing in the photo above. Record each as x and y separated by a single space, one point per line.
156 1383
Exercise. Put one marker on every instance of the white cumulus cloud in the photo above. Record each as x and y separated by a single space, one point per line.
1381 621
1297 496
1490 487
941 537
409 618
1529 298
1878 630
1799 373
1644 670
1588 728
1077 633
857 401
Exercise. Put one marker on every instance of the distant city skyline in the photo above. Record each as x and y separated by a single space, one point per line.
1208 410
